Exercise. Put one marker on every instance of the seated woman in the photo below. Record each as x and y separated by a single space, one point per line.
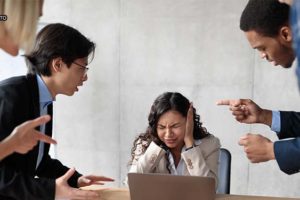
175 141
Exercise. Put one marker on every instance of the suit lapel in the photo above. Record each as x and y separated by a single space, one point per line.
35 102
34 91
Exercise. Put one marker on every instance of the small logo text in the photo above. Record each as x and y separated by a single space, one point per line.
3 17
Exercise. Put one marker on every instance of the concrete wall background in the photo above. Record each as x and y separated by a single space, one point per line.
145 48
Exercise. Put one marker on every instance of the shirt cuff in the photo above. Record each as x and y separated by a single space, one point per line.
276 125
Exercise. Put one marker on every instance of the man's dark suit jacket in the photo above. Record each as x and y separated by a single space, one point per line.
287 152
19 102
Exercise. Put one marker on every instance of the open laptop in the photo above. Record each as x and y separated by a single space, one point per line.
170 187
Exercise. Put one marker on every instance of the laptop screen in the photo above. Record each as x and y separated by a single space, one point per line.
170 187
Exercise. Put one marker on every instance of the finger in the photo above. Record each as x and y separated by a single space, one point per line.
240 118
97 183
191 106
254 160
230 102
37 122
238 103
247 150
45 138
68 174
189 126
242 142
223 102
238 106
244 121
245 101
190 113
235 108
107 179
245 137
85 180
99 178
238 112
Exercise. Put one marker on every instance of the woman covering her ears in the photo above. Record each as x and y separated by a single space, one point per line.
175 141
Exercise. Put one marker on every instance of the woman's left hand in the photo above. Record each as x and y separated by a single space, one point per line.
189 129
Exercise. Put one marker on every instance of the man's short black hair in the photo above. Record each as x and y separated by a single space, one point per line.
54 41
265 17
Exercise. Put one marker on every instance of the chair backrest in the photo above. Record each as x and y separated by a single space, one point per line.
224 172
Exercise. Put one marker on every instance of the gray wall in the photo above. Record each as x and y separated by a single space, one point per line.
145 48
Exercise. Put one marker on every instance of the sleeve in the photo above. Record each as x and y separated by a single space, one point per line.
287 153
275 121
148 162
290 124
18 186
50 168
7 116
202 160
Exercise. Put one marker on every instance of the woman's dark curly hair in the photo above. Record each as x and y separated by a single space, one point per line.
162 104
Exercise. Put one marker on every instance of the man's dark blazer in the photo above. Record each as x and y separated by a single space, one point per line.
287 152
19 102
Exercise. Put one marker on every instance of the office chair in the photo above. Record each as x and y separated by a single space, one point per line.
224 172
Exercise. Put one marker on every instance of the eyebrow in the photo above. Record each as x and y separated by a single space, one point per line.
258 46
177 123
83 63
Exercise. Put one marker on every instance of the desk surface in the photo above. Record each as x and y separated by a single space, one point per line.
247 197
123 194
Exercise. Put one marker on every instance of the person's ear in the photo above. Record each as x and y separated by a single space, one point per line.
285 33
56 64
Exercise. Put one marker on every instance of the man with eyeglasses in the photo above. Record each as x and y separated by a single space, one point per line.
85 68
57 65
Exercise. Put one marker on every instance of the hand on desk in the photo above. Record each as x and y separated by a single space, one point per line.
257 147
64 191
247 111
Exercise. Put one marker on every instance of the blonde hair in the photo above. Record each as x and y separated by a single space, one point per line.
21 23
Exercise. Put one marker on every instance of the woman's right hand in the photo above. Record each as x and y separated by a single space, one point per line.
189 128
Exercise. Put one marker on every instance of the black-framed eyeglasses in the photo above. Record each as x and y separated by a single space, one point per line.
86 69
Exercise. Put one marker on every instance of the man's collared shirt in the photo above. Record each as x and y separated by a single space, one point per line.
276 124
45 99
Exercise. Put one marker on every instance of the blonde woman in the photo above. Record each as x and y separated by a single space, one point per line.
17 30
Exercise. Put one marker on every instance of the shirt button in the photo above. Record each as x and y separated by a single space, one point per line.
153 158
190 164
